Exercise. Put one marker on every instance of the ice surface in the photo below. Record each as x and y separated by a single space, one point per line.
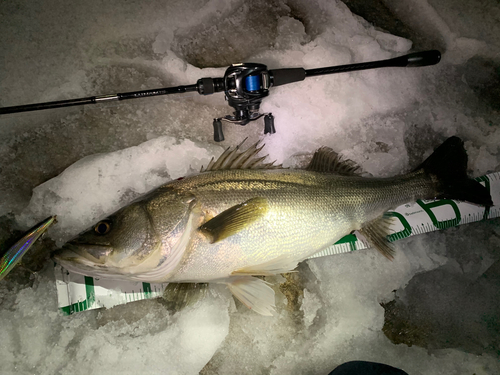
141 336
387 120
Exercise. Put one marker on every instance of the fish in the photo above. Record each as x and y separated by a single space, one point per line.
241 218
16 252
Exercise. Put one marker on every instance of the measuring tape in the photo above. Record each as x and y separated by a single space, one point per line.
78 293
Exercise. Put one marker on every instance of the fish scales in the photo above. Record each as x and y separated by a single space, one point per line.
308 211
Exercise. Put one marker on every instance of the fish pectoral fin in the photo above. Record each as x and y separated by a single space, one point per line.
376 232
254 293
281 264
234 219
180 295
327 160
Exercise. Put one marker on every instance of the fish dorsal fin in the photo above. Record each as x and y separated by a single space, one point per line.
376 232
234 158
234 219
327 160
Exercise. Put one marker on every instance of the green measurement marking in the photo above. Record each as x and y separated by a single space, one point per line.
85 304
443 202
89 289
406 232
147 289
349 239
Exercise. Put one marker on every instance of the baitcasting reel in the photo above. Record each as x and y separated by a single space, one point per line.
244 85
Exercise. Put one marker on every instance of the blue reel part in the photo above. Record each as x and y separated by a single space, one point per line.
252 83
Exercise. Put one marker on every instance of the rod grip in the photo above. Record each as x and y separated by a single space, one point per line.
288 75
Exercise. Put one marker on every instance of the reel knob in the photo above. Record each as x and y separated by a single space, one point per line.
269 124
218 134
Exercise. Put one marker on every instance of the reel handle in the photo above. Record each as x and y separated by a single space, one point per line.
218 133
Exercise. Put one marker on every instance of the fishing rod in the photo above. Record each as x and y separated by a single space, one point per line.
244 85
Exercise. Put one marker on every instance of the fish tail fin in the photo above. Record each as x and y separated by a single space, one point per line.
447 165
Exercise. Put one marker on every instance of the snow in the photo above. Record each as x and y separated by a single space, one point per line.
82 163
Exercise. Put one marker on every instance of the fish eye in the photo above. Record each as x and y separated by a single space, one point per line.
102 227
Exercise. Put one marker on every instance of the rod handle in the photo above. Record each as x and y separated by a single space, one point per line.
288 75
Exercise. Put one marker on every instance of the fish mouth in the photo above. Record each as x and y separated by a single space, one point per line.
97 261
92 260
84 259
74 251
79 258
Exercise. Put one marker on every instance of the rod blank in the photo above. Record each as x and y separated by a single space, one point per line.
278 77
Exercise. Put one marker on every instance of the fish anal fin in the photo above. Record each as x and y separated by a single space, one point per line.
328 161
254 293
376 232
281 264
234 219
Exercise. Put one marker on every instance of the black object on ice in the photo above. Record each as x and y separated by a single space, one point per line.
245 85
366 368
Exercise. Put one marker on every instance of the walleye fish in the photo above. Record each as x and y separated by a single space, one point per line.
241 217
